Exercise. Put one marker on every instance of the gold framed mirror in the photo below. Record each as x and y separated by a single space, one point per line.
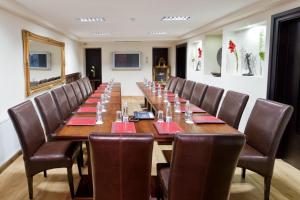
44 62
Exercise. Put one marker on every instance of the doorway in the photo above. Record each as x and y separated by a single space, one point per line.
181 56
284 78
93 60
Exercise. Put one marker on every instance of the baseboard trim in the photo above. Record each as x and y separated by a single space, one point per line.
10 161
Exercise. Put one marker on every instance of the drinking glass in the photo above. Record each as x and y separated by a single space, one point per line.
160 116
125 118
118 116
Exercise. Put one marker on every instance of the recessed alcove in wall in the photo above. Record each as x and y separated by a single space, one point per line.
213 54
197 56
245 50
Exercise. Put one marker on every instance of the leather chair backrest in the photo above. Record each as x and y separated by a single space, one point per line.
71 96
61 102
168 83
187 89
82 88
202 166
233 107
87 83
77 92
173 84
212 99
198 94
266 125
121 166
49 113
28 127
179 86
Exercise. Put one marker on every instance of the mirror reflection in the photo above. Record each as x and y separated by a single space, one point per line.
44 63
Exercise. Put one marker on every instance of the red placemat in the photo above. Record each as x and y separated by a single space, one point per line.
96 95
82 121
207 120
123 127
194 109
98 91
87 110
164 128
93 100
181 100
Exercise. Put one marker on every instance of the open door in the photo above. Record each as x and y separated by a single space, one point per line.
181 56
93 68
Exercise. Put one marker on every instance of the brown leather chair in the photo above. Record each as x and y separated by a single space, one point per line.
173 84
212 100
168 83
62 103
38 154
198 94
77 92
233 107
49 113
87 85
202 167
82 88
187 89
264 130
121 166
179 86
71 96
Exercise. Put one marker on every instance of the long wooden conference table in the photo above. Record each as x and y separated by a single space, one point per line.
81 133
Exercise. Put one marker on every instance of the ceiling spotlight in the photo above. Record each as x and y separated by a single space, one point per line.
91 19
175 18
101 34
157 33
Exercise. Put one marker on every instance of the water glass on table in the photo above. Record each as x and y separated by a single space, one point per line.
160 116
119 116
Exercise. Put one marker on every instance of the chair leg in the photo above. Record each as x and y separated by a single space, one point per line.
45 173
243 173
81 156
267 187
30 186
79 165
70 179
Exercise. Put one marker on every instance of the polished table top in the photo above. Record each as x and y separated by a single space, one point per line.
143 126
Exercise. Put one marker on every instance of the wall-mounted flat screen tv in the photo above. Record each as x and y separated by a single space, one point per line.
39 60
126 60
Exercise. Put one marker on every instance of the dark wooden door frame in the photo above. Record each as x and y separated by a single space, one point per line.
179 46
274 47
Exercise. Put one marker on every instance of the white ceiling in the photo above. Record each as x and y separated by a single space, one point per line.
63 14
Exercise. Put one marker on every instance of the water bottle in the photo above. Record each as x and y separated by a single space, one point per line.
188 113
176 98
159 91
99 119
168 113
177 107
153 87
125 111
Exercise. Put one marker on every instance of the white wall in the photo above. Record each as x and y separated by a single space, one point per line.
12 80
128 78
255 87
212 44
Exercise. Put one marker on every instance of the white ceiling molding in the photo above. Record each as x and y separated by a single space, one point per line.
16 9
254 9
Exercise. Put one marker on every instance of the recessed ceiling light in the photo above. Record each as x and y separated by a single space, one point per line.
175 18
91 19
157 33
101 34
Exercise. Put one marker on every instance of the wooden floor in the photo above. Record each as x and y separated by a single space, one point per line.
13 185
